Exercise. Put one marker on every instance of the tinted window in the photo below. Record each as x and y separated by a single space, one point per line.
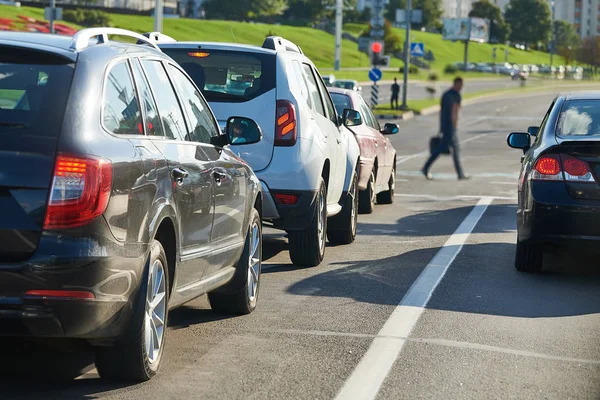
227 76
168 106
579 118
341 102
32 97
120 109
344 84
201 125
153 123
313 89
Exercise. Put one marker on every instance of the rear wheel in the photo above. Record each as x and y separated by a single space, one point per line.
137 355
529 256
346 220
387 197
307 247
366 198
245 300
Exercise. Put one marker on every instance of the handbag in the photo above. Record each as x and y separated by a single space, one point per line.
434 142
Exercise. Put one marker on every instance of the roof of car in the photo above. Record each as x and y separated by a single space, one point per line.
217 46
347 92
587 95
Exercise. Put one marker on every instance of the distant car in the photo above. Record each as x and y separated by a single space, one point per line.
483 67
377 179
328 80
558 195
347 84
121 199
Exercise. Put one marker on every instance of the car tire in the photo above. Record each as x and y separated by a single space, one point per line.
307 246
529 256
134 356
387 197
346 220
366 198
244 301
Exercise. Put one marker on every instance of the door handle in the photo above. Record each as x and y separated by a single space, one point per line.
179 174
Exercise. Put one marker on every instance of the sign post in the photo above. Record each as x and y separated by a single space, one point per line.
375 75
406 56
52 14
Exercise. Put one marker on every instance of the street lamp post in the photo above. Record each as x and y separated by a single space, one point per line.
552 38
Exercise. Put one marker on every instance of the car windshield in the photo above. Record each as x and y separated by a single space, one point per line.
341 102
33 98
579 118
228 76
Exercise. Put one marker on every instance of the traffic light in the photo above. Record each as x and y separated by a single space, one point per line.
376 52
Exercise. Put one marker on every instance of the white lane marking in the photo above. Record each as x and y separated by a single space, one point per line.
446 198
371 371
401 159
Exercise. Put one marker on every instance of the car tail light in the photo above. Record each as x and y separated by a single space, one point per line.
285 124
286 199
576 169
59 294
547 168
80 191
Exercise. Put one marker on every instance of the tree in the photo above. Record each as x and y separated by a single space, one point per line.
269 8
590 52
566 40
499 29
432 11
530 21
237 10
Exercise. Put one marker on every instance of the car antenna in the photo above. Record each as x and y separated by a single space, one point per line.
232 34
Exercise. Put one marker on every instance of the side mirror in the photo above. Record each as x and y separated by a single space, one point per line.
219 141
351 117
390 129
340 120
519 140
533 130
241 130
360 89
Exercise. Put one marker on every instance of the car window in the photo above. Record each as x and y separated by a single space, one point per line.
327 100
371 119
168 106
153 124
538 138
201 127
579 118
301 82
120 107
313 89
341 102
225 75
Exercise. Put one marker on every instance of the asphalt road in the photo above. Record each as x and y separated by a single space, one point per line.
417 89
355 327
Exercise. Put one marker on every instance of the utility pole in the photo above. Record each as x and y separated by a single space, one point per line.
406 55
552 38
52 15
339 9
158 16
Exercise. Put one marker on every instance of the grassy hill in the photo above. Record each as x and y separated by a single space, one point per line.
316 44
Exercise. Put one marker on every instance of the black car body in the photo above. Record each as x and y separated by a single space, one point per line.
111 159
559 183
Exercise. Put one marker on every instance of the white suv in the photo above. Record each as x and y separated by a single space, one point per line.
307 160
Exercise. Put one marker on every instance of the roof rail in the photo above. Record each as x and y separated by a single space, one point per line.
157 37
81 40
278 43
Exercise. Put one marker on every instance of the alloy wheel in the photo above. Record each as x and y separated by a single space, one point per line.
254 261
156 311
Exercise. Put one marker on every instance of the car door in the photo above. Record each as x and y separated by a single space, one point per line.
191 179
330 132
228 176
381 146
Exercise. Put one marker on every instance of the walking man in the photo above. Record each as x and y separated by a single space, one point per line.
395 93
450 105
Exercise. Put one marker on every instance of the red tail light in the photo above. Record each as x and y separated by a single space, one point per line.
561 168
285 124
576 169
286 199
80 191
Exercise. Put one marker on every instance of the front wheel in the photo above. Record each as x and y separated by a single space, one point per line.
342 227
387 197
366 198
244 301
136 356
307 247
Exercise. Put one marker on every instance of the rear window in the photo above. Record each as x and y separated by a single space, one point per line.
33 98
227 76
341 102
344 84
579 118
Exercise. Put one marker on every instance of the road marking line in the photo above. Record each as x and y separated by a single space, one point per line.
458 197
371 371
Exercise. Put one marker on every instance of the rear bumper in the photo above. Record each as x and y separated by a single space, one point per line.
553 216
297 216
113 280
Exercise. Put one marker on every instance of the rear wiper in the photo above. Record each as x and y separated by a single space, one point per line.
13 124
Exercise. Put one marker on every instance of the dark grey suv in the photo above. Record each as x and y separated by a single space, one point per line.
119 197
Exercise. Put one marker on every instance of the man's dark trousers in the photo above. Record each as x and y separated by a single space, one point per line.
449 141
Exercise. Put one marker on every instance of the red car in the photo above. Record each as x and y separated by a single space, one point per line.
377 155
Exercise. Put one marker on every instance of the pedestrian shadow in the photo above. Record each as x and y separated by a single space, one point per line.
479 271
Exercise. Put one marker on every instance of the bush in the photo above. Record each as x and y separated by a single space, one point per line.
87 17
411 70
433 77
451 69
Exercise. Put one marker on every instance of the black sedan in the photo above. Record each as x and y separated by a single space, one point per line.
559 190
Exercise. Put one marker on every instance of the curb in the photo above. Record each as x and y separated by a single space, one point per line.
429 110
